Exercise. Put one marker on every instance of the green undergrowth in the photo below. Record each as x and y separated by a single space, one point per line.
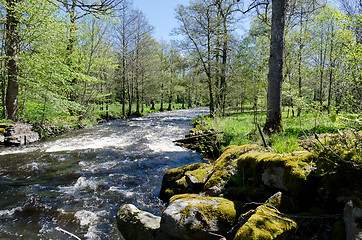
240 128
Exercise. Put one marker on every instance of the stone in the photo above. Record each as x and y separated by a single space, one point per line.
352 216
19 134
195 217
135 224
265 223
273 177
213 191
226 165
288 172
184 179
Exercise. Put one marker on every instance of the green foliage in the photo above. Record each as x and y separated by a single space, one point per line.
238 129
282 142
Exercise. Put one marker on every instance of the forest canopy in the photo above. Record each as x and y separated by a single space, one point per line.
71 58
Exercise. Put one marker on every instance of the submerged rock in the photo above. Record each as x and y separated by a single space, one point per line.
194 217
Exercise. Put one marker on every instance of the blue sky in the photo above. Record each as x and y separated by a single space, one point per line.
161 15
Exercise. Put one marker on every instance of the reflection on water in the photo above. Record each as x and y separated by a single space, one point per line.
78 181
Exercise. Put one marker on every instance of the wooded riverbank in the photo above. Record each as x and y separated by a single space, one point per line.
251 192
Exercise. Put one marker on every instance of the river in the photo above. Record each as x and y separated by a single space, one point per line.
78 181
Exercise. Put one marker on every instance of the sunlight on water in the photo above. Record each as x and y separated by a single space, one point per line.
78 181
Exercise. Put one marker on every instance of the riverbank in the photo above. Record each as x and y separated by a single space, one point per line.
29 131
256 192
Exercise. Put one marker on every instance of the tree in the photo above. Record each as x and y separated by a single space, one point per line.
12 51
197 25
275 77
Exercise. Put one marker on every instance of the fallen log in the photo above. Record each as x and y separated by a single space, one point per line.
190 139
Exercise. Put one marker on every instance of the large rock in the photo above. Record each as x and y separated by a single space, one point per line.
265 223
226 165
19 134
135 224
194 217
198 177
352 216
184 179
287 172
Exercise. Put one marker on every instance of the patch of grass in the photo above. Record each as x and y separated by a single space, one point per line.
284 142
239 129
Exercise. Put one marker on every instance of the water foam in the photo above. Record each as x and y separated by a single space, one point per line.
90 219
9 213
86 218
82 184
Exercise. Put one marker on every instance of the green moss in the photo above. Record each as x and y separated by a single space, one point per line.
174 182
233 152
266 223
211 209
201 174
297 166
225 166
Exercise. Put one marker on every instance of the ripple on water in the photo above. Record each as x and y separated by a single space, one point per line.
78 181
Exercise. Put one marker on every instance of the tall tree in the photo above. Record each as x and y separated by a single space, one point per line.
197 24
11 50
275 77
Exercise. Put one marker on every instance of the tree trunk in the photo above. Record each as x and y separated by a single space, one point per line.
331 71
3 86
123 85
301 45
70 49
11 48
275 77
161 107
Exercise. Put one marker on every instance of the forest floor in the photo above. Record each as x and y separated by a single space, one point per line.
241 128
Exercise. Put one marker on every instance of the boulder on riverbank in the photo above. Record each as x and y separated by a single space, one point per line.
135 224
17 134
196 217
320 200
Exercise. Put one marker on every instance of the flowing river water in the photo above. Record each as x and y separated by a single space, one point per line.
78 181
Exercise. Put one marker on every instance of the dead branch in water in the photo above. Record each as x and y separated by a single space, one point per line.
68 233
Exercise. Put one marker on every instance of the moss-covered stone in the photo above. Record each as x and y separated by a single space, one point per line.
174 181
226 165
191 216
280 171
266 223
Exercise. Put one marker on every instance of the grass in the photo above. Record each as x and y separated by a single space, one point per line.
239 129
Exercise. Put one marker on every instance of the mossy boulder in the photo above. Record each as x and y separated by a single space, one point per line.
191 216
184 179
266 223
226 165
287 172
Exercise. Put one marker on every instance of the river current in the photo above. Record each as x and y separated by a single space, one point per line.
78 181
